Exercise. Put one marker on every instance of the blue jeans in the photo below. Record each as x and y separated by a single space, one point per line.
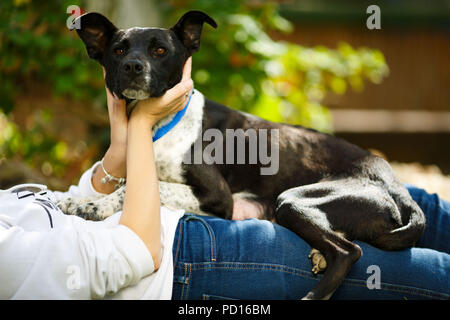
253 259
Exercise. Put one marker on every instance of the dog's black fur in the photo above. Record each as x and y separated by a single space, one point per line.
323 185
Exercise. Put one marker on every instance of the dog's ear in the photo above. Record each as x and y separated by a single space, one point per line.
189 29
95 30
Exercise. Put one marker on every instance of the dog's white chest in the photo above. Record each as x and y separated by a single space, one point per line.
171 148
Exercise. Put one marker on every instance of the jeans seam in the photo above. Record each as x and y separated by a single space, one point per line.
183 285
306 274
251 266
186 284
212 237
180 235
188 281
399 288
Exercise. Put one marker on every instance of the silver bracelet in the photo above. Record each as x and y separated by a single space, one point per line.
108 177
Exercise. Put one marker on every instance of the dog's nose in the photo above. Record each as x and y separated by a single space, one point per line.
133 67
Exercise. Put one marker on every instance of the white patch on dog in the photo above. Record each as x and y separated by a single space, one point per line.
171 148
178 196
169 154
174 196
162 123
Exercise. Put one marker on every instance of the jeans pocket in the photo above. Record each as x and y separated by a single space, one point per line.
215 297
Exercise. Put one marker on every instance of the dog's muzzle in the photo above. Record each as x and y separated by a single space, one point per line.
136 94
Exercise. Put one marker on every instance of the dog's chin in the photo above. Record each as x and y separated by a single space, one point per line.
135 94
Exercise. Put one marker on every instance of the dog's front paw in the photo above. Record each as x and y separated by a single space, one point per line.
69 205
89 209
318 261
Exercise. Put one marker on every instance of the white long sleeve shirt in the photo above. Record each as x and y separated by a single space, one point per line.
45 254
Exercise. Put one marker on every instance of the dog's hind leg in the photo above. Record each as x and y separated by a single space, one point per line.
311 224
318 260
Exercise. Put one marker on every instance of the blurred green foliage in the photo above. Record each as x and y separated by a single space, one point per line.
36 48
33 146
239 65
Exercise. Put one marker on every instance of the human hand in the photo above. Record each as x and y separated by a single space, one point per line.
154 109
117 118
114 160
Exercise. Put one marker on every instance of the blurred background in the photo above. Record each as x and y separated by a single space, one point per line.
308 62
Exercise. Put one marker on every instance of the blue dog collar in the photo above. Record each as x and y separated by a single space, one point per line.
167 127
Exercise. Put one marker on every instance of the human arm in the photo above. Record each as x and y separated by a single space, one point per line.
114 160
90 186
74 258
77 261
141 210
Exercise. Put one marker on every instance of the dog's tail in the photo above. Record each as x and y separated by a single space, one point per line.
408 234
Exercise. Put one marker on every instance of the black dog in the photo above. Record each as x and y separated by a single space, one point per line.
326 190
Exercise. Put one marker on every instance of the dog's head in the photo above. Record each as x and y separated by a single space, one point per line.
142 62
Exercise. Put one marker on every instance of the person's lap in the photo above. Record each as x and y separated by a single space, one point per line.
253 259
437 211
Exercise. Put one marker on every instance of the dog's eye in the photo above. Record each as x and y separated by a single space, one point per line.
160 51
118 51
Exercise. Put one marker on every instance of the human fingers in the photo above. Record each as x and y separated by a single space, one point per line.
116 106
111 97
187 69
183 87
181 90
179 103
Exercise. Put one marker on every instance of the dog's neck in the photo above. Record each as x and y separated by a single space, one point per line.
161 130
165 123
171 149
